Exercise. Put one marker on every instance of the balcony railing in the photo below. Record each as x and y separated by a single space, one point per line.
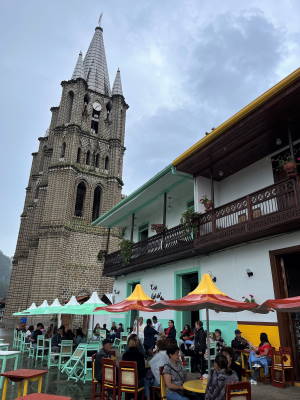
272 210
172 241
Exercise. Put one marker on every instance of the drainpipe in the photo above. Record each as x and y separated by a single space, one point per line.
132 227
107 241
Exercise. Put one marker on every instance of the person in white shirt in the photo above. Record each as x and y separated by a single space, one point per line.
157 325
140 330
29 333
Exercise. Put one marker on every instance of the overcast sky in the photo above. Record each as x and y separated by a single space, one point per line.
186 66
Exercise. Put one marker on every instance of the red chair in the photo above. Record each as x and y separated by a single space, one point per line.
128 379
109 378
96 386
282 364
238 391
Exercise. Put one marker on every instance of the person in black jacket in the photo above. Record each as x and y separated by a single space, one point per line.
105 352
133 354
170 332
149 337
199 347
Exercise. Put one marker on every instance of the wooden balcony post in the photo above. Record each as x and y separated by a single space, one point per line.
249 208
132 227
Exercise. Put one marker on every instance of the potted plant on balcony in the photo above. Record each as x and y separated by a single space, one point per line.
190 220
158 228
288 164
126 250
207 203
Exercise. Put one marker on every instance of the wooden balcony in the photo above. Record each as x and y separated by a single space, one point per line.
270 211
173 244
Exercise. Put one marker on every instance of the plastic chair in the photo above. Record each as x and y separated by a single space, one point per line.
186 362
103 334
74 367
53 357
66 351
31 353
123 343
87 367
24 346
109 378
19 340
15 339
116 344
128 379
40 347
282 363
96 385
238 391
245 365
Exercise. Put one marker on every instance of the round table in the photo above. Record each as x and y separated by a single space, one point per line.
196 385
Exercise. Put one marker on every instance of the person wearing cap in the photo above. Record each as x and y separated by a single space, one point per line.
239 343
105 352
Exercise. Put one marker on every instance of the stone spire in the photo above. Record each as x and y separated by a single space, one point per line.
95 66
117 86
78 70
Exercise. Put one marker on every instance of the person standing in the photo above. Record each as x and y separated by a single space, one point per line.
149 337
157 325
170 332
199 347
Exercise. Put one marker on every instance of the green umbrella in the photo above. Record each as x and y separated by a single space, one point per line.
45 309
89 306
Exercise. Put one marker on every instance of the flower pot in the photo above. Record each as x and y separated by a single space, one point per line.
208 205
290 168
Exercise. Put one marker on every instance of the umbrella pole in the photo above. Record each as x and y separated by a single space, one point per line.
208 343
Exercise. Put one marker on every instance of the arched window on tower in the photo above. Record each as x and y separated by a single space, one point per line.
96 203
80 197
106 163
78 158
97 160
69 106
63 150
88 157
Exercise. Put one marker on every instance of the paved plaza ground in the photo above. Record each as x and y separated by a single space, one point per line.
56 383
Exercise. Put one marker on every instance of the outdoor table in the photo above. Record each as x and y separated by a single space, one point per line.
196 385
23 376
4 346
43 396
8 355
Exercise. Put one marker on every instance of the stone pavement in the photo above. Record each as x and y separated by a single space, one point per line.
56 383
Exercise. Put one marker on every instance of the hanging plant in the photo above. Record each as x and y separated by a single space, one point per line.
251 299
126 250
158 228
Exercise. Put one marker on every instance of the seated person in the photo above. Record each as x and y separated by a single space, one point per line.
56 340
36 333
119 331
174 375
105 352
229 354
133 353
96 331
260 357
239 343
187 337
221 375
159 359
29 333
219 340
79 337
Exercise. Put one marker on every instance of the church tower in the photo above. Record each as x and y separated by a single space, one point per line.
76 175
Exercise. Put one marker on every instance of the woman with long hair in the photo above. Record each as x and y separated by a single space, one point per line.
221 375
260 357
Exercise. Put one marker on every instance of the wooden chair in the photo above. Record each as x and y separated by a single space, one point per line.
96 386
246 370
128 379
87 366
163 388
282 364
238 391
109 378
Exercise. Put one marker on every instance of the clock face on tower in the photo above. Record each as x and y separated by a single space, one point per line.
97 106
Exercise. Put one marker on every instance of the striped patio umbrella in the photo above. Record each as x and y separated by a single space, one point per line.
288 304
138 300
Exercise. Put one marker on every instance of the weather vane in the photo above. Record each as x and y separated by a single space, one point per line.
99 21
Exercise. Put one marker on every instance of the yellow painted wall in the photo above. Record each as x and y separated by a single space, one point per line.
252 332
